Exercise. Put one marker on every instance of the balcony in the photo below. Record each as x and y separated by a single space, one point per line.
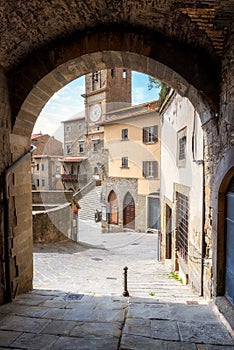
69 178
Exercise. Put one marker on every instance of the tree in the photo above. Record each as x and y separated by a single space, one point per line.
163 88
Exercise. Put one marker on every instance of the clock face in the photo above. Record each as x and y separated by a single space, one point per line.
95 112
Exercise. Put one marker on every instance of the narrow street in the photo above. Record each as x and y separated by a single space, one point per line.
77 301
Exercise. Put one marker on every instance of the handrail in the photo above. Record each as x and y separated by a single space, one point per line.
91 182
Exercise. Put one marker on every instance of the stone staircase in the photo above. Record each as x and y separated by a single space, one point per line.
89 203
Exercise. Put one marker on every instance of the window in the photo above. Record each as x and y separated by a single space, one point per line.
68 128
182 225
81 147
124 162
150 169
38 182
150 134
42 182
80 126
95 76
68 147
42 167
181 148
38 166
95 170
124 134
124 74
95 144
112 73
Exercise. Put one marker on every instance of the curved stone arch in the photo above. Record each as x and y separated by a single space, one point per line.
128 193
224 174
34 83
113 207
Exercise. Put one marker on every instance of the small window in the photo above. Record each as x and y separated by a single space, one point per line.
181 148
42 167
68 147
95 76
150 134
80 126
112 73
81 147
38 166
150 169
124 74
43 183
95 144
68 128
124 134
124 162
95 170
38 182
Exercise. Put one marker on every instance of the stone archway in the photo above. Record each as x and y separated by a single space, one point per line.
225 173
66 65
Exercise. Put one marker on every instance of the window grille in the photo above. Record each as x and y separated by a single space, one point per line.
182 225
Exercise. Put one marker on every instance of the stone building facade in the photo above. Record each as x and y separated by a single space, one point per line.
46 166
130 193
182 189
105 90
71 43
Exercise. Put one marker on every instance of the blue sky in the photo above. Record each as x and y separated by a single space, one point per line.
68 101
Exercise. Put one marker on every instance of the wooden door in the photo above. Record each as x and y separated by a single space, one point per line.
129 212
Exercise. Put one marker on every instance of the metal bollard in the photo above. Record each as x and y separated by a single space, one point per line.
125 292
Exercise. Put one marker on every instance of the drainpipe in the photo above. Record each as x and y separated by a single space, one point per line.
7 172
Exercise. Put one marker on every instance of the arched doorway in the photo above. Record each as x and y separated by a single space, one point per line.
129 212
113 208
229 243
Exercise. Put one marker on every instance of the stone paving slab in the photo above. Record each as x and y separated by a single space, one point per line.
59 327
97 343
98 329
208 333
35 341
7 337
23 324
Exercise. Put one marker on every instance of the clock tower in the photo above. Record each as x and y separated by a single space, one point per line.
105 91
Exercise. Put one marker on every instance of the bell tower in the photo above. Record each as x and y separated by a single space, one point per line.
105 91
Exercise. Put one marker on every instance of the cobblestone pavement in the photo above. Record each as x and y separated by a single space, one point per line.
77 301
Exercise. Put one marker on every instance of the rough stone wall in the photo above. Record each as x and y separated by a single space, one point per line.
5 125
221 161
51 197
47 145
53 225
121 186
